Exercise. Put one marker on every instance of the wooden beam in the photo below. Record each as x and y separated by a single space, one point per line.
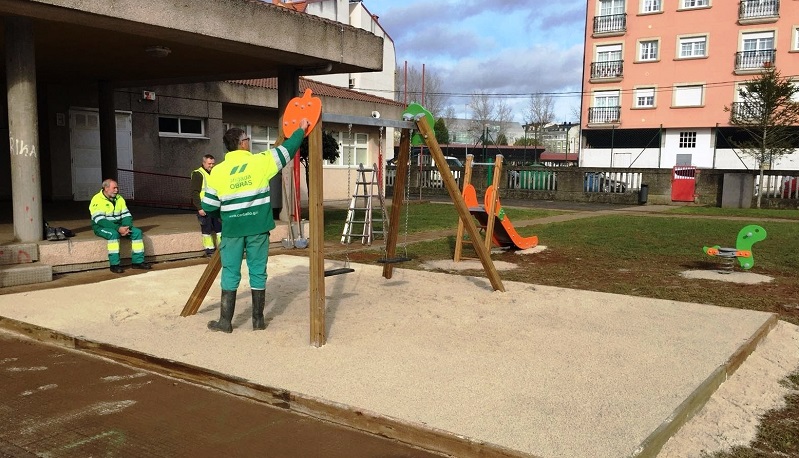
203 286
397 200
452 188
316 221
492 207
467 179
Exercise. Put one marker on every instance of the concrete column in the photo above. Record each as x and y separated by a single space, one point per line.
23 130
108 132
288 87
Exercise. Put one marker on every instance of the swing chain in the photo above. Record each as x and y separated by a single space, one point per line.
349 186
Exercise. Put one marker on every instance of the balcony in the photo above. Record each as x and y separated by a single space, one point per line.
604 115
745 112
610 70
610 25
758 11
748 61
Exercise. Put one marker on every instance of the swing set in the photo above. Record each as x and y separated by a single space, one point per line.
413 119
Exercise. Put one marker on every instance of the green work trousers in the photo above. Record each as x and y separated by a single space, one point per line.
232 250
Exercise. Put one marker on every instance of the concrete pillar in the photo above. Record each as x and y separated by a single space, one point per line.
23 130
108 132
288 87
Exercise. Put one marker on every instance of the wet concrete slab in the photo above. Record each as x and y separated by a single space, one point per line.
56 402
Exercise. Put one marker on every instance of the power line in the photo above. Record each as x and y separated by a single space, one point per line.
564 94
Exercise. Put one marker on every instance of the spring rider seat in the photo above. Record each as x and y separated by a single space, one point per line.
747 237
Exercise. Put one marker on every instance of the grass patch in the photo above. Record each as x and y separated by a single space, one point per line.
756 213
421 217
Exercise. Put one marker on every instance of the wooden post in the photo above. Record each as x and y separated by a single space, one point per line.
397 200
316 221
492 206
203 286
452 188
467 179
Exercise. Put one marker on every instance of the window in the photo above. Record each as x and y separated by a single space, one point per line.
651 6
693 47
795 39
695 3
605 108
648 50
181 127
645 97
610 53
354 149
759 41
610 7
687 139
688 96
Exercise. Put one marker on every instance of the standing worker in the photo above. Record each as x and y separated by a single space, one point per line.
238 191
209 225
111 220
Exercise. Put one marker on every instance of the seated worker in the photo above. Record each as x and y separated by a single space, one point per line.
111 220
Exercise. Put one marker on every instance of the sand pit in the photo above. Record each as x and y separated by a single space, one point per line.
539 370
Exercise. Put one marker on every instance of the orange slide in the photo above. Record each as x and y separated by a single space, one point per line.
505 234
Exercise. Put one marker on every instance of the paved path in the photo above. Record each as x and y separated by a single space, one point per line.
57 402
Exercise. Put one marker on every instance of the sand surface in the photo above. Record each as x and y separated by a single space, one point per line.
547 371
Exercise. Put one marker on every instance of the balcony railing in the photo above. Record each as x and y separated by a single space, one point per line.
753 9
604 115
751 60
609 69
742 111
610 23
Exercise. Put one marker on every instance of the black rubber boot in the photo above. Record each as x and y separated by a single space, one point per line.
258 302
226 313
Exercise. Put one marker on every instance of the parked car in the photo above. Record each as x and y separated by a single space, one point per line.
454 165
601 182
790 188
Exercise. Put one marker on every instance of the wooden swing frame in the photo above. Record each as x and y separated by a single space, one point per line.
316 217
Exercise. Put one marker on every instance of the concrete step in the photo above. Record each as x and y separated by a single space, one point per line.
25 274
18 253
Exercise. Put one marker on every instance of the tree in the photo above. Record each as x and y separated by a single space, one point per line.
442 133
483 111
504 116
330 152
435 101
769 118
540 112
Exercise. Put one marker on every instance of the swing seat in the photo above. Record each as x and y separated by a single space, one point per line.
339 271
396 260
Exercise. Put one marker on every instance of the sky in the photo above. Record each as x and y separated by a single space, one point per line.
511 48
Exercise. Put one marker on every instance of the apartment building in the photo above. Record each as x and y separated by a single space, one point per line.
658 75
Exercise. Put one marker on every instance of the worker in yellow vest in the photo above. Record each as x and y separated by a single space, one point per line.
210 226
238 191
112 220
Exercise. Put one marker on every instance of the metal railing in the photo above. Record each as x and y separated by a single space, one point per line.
778 186
610 23
745 112
604 115
609 69
752 9
750 60
155 189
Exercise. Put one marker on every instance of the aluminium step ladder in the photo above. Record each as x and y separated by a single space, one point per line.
361 221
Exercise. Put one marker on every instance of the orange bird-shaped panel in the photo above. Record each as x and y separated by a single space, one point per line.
308 107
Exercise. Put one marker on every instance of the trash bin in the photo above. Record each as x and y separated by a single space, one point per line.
643 194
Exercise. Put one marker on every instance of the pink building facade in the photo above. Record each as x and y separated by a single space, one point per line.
658 75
